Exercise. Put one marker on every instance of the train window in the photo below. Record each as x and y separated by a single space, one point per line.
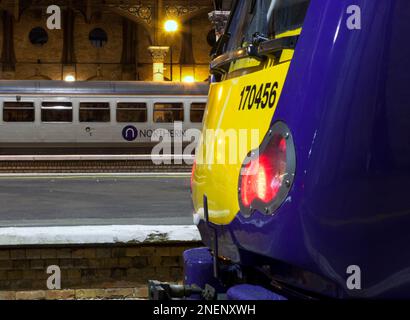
131 112
197 112
56 111
265 17
237 24
94 112
286 15
18 112
168 112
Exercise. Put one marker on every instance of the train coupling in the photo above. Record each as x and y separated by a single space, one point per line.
163 291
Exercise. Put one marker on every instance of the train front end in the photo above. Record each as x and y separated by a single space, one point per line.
300 186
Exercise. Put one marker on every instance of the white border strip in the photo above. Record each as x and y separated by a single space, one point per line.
89 157
96 235
95 175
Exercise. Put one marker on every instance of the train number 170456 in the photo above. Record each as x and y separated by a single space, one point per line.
259 98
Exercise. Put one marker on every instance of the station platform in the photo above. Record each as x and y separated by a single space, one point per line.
95 199
95 262
109 232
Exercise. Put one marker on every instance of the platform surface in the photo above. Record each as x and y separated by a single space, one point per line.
95 200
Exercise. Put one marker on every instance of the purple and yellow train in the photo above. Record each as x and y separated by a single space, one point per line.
318 206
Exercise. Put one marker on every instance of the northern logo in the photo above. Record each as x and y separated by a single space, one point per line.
130 133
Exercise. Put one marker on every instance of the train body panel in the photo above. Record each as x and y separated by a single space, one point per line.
250 127
345 102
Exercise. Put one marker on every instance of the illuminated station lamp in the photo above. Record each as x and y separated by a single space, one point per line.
171 26
189 79
69 78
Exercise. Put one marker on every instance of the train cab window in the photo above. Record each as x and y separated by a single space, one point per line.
267 18
237 25
168 112
18 112
286 16
94 112
56 112
197 112
132 112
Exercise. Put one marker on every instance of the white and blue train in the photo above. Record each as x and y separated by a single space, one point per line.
94 117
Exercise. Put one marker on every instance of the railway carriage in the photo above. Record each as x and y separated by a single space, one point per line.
94 117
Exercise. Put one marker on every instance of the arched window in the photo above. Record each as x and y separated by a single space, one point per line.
98 37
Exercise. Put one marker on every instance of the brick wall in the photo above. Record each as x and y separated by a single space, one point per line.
108 58
92 267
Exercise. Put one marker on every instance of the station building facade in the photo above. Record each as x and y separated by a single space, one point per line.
106 40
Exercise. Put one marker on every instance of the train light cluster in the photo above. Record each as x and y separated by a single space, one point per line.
267 177
263 177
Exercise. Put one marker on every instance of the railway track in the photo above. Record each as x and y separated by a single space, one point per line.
94 164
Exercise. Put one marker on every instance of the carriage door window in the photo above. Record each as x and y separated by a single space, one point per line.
131 112
18 112
168 112
56 112
94 112
197 112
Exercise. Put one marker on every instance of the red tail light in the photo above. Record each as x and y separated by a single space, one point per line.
266 179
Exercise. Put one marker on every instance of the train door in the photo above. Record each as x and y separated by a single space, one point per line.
19 121
55 120
94 119
133 121
168 119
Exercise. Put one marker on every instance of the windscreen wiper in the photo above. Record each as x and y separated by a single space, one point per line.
272 47
260 49
258 38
